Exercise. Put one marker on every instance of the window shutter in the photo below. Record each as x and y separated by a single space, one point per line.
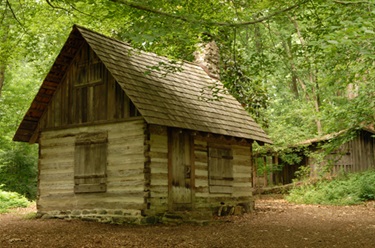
220 170
90 163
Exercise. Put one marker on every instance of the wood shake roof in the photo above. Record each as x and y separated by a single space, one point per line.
332 136
174 94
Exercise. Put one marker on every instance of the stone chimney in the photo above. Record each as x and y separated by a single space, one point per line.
351 91
207 56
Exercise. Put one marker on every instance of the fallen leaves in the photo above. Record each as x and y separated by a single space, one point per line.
275 223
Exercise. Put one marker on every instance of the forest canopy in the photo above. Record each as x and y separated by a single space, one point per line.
301 68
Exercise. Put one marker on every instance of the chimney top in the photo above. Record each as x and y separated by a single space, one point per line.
207 56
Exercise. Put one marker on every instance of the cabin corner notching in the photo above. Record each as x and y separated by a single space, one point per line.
121 145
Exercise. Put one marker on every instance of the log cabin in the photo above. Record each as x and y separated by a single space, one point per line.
129 136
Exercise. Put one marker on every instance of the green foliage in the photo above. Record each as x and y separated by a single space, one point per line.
263 168
303 173
18 161
18 170
10 200
346 190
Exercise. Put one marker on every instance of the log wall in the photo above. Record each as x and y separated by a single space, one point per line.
124 196
203 199
158 157
137 174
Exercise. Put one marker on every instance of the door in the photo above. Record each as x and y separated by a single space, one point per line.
180 171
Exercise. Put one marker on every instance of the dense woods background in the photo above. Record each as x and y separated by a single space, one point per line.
301 68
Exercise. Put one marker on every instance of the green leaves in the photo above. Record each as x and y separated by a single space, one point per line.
347 190
10 200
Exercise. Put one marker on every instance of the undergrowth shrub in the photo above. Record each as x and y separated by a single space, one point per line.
18 169
347 190
10 200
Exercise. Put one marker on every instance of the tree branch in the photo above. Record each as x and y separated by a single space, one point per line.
14 14
347 3
56 7
224 24
67 10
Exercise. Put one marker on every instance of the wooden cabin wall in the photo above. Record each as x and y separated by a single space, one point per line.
87 94
125 172
341 159
203 199
356 155
158 170
362 152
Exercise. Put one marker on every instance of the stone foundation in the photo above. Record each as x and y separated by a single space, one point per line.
118 216
100 215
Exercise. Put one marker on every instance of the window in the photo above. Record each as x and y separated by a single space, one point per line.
90 160
220 169
89 69
90 73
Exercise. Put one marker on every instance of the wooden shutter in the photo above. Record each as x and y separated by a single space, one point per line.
220 170
90 163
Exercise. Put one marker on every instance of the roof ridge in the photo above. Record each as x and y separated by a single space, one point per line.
136 49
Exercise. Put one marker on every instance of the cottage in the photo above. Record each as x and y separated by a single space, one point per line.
126 135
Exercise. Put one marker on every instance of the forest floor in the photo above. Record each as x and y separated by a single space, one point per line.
274 223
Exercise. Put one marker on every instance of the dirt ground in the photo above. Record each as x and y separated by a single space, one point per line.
275 223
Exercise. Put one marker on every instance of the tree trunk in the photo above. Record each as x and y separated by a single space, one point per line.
312 77
293 84
317 119
2 77
5 27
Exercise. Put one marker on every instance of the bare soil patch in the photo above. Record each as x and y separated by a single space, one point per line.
275 223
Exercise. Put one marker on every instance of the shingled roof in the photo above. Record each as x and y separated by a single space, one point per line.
165 93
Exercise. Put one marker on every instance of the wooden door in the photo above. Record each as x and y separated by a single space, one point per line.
180 171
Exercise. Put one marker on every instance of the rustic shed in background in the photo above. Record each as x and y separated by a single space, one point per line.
354 155
125 135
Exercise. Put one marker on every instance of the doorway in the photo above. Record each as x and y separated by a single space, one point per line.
180 170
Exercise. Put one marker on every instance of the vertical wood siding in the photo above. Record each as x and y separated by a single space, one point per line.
87 94
356 155
125 165
361 153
